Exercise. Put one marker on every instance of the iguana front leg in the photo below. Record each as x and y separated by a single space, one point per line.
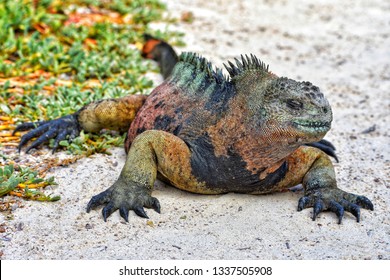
314 169
321 193
114 114
152 152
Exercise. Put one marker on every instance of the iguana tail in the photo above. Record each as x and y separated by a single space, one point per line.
161 52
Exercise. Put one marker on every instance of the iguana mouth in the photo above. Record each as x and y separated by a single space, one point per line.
316 126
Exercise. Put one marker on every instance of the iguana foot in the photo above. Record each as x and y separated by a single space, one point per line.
125 196
334 200
59 129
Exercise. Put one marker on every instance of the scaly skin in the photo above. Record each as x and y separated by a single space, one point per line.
254 133
115 114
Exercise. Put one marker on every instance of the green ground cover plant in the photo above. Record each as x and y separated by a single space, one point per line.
56 56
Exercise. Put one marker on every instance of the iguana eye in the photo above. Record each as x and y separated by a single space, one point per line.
294 104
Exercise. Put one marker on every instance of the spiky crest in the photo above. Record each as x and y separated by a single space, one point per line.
204 66
246 63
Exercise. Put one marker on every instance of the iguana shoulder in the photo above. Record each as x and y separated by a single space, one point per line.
193 98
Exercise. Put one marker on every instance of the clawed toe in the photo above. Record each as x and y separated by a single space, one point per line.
364 202
154 204
58 129
303 203
317 208
124 212
118 197
336 208
353 208
326 147
97 200
108 210
28 126
140 212
338 205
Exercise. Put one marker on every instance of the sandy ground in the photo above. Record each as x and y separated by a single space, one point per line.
341 46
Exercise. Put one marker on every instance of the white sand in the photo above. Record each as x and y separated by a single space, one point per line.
342 48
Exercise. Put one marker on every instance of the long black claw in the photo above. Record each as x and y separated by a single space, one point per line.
61 136
139 210
355 210
42 139
108 210
330 152
327 143
20 146
317 208
31 134
97 200
156 205
338 209
352 208
91 204
124 212
46 130
325 146
364 202
303 203
28 126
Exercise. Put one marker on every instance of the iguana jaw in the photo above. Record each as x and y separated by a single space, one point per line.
312 126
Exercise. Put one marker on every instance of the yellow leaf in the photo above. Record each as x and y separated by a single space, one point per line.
150 223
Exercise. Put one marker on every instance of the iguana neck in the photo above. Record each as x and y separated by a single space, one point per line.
195 76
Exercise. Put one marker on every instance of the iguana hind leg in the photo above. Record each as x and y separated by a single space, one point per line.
115 114
152 152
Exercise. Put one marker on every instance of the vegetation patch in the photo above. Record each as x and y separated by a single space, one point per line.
55 57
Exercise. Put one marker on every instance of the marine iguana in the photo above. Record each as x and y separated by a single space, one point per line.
252 132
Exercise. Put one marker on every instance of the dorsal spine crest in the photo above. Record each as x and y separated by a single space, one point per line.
247 63
204 66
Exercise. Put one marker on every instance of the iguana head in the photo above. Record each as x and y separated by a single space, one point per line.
297 107
282 110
